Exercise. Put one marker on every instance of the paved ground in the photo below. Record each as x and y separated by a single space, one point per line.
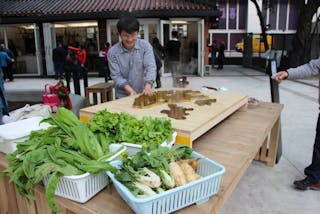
262 189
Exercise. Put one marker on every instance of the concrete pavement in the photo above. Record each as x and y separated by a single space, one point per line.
262 189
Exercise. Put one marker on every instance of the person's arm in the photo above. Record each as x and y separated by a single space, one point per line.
116 75
8 58
84 57
151 69
280 76
129 90
311 68
73 48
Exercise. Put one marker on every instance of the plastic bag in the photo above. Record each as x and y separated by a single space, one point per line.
50 98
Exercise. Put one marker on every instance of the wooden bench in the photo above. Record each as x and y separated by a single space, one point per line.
233 143
105 90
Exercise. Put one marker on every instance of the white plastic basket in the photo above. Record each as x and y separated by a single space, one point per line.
81 188
12 133
174 199
134 148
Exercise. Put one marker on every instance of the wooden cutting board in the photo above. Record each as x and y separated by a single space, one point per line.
199 120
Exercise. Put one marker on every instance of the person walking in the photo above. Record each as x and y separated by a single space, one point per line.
4 110
312 172
59 55
81 55
173 56
7 71
131 61
159 54
221 56
213 50
105 54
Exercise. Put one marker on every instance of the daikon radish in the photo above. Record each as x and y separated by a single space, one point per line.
188 171
177 174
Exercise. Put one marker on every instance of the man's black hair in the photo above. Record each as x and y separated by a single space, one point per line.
174 33
128 24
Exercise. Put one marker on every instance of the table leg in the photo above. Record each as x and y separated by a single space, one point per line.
95 98
87 97
273 143
104 96
110 94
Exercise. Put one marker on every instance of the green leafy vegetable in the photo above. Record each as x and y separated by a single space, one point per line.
67 148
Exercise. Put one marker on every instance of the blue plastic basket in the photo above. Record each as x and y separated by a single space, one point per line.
174 199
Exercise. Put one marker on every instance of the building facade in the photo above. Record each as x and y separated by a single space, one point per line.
32 28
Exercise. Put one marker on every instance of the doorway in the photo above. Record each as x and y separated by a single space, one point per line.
190 35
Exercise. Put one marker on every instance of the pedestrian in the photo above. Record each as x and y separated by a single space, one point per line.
4 110
59 55
7 71
213 50
105 54
173 56
131 61
159 54
73 68
81 54
221 56
312 172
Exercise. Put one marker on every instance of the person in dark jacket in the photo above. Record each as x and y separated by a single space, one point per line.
173 56
4 110
7 71
312 172
59 57
221 56
159 54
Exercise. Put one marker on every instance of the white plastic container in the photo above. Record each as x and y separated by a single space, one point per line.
134 148
174 199
81 188
18 131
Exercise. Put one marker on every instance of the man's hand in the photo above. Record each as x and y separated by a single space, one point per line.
133 93
129 90
147 89
280 76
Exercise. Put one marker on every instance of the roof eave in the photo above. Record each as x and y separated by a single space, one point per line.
106 15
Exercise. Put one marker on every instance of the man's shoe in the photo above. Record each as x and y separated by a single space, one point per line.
306 183
315 186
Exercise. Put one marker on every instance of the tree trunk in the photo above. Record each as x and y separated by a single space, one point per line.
262 24
301 44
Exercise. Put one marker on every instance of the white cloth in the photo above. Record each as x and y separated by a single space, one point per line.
27 112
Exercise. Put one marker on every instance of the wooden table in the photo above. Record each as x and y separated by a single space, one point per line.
105 89
197 122
234 143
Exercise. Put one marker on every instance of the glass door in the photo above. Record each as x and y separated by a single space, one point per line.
165 36
38 49
49 44
200 48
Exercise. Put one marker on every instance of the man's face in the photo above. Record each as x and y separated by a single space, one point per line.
128 39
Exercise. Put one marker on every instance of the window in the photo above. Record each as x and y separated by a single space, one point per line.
293 14
242 14
232 14
273 15
222 20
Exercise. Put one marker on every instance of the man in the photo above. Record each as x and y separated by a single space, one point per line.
173 56
105 54
7 71
221 55
312 172
59 57
131 61
4 110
